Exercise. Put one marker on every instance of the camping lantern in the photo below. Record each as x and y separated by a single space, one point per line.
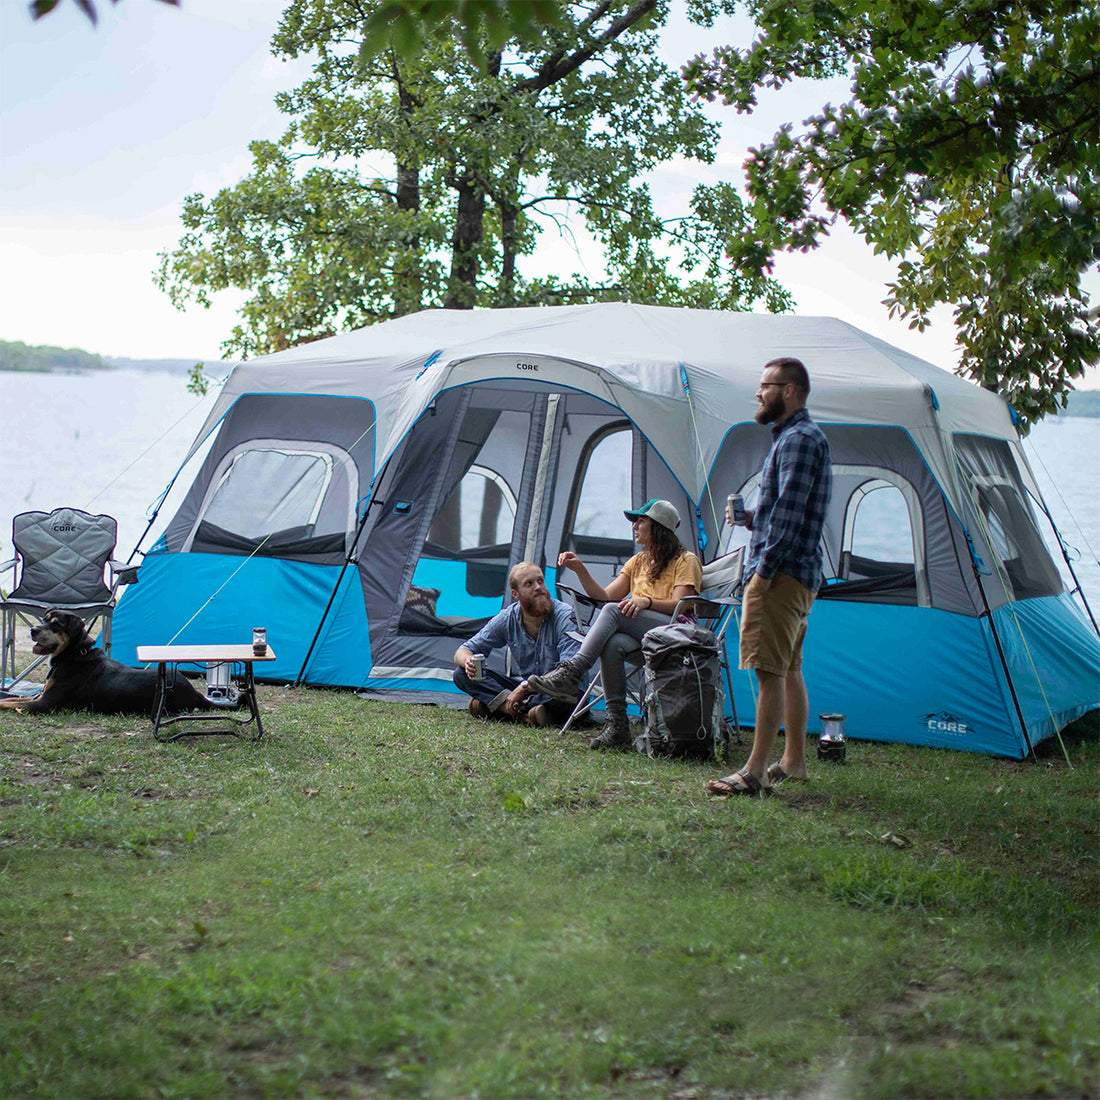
831 745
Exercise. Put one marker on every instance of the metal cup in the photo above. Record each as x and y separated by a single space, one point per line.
479 666
259 640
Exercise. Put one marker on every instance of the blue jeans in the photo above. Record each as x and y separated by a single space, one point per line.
611 639
493 683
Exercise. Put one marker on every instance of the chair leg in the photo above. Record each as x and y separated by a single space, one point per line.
8 675
592 695
7 645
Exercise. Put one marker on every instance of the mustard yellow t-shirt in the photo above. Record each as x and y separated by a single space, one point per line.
684 569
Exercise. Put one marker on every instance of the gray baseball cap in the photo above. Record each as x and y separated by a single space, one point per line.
660 511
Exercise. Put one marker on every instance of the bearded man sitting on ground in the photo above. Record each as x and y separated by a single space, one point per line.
536 629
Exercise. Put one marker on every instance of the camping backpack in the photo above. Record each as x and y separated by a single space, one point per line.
683 693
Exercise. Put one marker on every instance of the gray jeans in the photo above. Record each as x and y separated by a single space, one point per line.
611 639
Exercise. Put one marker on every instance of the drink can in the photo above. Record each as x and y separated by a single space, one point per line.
259 640
735 506
479 666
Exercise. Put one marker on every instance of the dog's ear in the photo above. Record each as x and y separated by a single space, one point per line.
65 622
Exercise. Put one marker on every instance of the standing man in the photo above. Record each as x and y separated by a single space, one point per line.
784 571
535 628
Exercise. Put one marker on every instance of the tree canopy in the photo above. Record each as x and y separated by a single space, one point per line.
969 152
411 181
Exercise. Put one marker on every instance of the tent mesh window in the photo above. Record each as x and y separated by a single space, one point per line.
1005 518
268 502
878 542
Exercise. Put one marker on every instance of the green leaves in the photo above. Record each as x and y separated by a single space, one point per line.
40 8
410 179
968 151
409 27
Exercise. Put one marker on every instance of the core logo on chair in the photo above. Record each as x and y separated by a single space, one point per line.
83 677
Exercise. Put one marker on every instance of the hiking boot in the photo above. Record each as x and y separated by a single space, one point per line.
614 735
539 717
562 682
478 709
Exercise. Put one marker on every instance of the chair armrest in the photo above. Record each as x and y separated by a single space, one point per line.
125 572
583 598
707 607
579 596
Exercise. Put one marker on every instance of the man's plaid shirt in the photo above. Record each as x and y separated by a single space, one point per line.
795 485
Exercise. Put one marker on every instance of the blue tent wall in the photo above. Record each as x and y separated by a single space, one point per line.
286 597
1053 654
929 677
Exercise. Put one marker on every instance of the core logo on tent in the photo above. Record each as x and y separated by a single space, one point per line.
527 366
64 526
943 722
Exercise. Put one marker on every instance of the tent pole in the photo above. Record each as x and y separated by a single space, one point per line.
988 614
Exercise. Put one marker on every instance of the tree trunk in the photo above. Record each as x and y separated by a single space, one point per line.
408 281
509 223
465 242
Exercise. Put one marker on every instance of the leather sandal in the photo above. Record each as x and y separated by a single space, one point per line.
742 782
777 775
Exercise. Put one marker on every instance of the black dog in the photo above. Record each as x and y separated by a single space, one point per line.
85 678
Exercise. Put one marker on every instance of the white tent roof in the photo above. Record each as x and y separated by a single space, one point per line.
633 355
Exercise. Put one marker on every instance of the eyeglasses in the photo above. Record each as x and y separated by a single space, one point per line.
763 384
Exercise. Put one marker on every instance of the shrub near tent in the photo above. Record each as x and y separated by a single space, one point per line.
365 496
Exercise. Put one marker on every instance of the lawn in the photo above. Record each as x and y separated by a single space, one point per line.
384 900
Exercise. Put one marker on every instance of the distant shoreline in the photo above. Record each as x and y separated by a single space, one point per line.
21 358
17 357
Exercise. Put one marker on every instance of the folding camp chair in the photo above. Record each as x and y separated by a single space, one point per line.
594 692
62 560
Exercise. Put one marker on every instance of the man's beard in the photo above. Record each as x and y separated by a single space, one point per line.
769 412
537 605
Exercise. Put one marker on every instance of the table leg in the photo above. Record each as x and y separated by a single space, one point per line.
250 688
159 698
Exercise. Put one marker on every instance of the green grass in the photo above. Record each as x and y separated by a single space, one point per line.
381 900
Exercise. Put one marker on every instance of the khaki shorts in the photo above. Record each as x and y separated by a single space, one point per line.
773 624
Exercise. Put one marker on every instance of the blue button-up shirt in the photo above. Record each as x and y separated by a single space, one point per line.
796 483
530 656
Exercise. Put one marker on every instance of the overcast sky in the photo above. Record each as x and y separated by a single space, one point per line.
105 130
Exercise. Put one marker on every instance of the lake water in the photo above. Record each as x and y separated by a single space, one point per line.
111 443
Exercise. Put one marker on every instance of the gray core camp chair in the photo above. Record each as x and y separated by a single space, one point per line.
62 560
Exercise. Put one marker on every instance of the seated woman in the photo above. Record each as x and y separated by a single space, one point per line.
641 597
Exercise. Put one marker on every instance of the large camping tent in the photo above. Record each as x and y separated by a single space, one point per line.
364 496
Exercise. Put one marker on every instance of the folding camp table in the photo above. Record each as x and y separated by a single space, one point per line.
238 658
